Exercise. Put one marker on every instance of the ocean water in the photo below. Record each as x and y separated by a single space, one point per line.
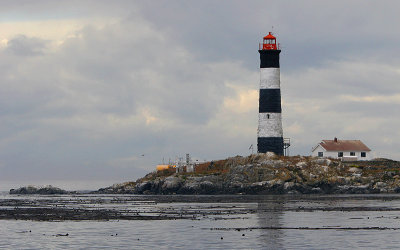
209 222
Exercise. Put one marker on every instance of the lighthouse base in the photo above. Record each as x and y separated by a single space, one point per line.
270 144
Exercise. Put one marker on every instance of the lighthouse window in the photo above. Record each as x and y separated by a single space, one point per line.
267 116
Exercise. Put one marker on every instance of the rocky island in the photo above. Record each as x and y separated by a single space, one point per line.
46 190
271 174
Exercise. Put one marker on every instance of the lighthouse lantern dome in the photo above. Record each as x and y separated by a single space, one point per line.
269 42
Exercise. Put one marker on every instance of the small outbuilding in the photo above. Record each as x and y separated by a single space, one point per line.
347 150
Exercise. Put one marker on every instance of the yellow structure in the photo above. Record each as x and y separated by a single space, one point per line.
165 167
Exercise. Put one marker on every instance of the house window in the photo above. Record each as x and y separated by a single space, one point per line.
320 154
340 154
352 154
363 154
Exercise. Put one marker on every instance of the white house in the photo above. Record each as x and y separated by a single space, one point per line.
343 149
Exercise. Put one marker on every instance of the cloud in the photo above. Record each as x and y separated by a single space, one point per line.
86 92
25 46
391 99
244 101
344 99
94 99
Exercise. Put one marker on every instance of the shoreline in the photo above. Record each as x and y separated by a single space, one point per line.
259 174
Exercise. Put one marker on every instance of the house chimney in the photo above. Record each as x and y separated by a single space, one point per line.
335 140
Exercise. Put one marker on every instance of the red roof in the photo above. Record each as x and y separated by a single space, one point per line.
269 36
344 145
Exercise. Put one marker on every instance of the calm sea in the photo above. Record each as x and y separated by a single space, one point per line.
212 222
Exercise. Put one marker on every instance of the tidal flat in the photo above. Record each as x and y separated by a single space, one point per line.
200 221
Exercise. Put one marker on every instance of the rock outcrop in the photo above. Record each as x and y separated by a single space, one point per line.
46 190
270 174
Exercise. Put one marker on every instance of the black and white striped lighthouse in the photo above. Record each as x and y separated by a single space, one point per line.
270 134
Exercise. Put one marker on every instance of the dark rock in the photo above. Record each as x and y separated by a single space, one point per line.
47 190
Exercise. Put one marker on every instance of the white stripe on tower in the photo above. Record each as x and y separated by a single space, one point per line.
270 126
270 78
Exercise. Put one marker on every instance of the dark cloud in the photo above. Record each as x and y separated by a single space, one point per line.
26 46
310 32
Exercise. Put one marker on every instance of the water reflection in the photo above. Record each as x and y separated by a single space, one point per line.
269 215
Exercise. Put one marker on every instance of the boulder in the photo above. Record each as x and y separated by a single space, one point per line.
171 183
288 185
355 170
301 164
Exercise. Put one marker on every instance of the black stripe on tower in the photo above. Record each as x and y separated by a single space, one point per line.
270 144
269 58
270 101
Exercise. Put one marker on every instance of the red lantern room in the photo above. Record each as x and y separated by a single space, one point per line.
269 43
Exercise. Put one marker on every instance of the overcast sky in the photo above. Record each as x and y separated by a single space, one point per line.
99 92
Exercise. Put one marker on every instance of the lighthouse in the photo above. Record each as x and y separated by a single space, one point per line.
269 133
